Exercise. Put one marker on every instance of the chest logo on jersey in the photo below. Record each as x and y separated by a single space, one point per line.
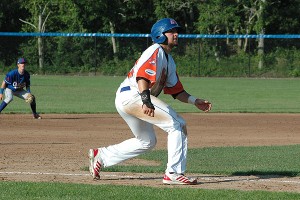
150 72
19 85
152 61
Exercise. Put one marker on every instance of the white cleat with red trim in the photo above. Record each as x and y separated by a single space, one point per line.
95 163
178 179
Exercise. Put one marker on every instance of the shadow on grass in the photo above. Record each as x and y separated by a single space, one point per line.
269 173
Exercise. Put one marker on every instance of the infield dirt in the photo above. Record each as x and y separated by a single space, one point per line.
54 149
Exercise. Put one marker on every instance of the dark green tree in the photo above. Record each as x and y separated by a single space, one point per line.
184 12
10 12
51 16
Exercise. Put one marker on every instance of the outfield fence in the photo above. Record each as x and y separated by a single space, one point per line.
199 55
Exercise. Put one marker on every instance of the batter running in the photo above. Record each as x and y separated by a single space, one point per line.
137 103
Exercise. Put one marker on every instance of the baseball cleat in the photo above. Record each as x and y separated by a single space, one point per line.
95 164
36 116
178 179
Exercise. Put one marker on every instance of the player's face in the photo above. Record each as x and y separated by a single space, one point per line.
21 68
172 36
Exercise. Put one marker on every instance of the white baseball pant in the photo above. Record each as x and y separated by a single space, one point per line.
129 105
19 93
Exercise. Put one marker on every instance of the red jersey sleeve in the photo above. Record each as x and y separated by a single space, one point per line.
148 68
178 87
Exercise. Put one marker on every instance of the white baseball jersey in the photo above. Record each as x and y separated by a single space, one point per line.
160 69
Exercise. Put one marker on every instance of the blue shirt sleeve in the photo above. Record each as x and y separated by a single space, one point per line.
9 78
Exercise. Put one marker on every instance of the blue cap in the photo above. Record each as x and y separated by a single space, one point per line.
21 61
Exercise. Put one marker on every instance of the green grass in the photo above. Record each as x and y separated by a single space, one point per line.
15 190
96 94
264 160
261 160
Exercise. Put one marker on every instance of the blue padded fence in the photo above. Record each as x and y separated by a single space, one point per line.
277 36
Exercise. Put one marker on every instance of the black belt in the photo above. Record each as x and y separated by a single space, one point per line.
126 88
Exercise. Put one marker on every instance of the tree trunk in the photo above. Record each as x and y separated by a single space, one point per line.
239 44
41 53
113 39
261 42
227 39
245 44
261 46
40 44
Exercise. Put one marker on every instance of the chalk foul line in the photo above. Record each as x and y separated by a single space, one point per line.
236 179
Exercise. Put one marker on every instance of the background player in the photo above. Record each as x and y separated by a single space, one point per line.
14 83
137 103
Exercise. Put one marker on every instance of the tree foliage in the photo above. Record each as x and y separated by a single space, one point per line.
10 12
68 54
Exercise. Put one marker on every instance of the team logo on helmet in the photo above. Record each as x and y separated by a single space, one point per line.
172 21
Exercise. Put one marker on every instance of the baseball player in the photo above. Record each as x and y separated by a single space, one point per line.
138 104
13 85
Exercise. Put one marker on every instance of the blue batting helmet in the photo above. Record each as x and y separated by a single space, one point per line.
160 27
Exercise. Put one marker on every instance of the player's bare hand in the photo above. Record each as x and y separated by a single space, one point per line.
1 96
203 105
148 111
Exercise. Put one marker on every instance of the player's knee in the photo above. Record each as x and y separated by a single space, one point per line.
179 124
150 143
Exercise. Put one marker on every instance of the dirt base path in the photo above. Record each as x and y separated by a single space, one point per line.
55 148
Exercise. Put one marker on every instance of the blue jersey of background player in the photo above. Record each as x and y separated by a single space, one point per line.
14 84
16 81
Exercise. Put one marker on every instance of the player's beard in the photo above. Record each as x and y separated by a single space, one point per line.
169 44
175 42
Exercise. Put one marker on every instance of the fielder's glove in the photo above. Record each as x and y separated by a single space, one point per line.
30 98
